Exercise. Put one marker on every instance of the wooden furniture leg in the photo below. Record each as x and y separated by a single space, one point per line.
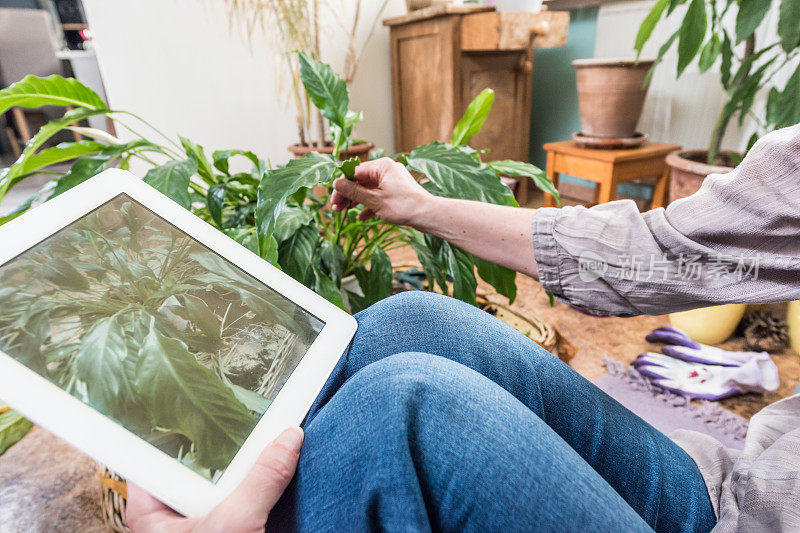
661 190
549 200
607 189
522 191
22 124
12 137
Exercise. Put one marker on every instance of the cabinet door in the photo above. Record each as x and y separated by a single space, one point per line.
506 132
424 76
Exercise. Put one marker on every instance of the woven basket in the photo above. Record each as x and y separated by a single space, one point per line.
114 494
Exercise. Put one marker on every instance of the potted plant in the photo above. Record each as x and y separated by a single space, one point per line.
295 26
611 95
275 211
747 68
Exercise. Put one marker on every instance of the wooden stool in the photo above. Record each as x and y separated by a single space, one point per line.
609 168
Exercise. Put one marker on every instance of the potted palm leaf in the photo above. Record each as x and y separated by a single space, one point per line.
294 25
724 34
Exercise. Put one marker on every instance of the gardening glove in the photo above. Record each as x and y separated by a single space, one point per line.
679 345
708 382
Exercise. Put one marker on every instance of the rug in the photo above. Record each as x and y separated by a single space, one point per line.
667 411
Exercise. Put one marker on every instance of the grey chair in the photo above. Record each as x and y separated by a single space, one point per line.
27 46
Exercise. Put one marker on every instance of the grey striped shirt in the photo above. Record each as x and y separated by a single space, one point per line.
736 240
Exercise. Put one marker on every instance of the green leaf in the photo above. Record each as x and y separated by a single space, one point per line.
290 220
648 24
252 400
749 17
195 151
13 426
333 259
461 268
710 53
727 60
11 175
87 167
660 57
296 254
62 152
172 179
789 25
435 271
325 287
64 276
24 206
518 169
82 170
348 167
673 4
310 170
198 313
244 236
326 89
100 365
692 32
376 283
458 175
188 398
33 91
503 279
783 107
215 200
221 158
474 118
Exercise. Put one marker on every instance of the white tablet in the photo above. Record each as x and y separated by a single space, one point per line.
153 342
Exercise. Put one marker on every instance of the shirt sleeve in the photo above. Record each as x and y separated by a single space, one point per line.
737 240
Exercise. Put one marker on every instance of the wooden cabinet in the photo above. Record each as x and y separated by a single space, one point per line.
443 56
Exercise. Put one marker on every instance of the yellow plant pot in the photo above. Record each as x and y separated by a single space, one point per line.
793 318
710 325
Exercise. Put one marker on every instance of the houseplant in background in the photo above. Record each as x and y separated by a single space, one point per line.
747 69
275 211
297 25
709 34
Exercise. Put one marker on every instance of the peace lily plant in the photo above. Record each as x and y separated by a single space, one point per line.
275 212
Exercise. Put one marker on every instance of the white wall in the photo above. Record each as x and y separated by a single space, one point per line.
175 63
682 111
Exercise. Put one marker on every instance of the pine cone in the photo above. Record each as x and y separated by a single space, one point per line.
765 332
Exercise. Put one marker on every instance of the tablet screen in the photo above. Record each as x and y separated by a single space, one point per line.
154 330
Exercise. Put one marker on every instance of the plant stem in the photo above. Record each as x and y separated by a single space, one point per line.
724 119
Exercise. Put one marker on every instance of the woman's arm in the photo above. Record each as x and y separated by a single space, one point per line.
736 240
499 234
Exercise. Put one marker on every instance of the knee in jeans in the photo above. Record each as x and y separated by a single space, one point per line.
403 375
410 305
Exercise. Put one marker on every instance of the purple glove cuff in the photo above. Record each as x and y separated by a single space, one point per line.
670 335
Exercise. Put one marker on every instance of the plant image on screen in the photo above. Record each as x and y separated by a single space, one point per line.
152 329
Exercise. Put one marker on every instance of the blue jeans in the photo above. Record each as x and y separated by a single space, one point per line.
441 417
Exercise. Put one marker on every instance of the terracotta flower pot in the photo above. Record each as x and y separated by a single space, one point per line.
360 150
611 95
689 170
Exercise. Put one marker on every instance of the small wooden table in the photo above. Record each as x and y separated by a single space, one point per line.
609 168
